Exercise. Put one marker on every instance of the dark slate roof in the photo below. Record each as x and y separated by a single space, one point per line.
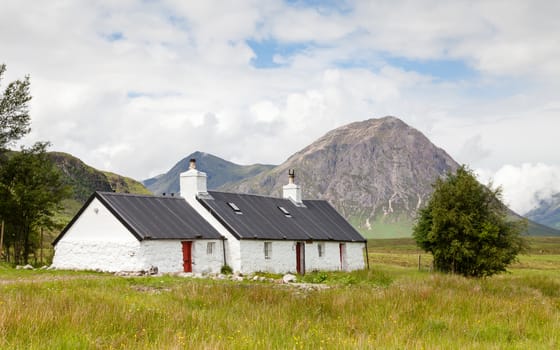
261 218
153 217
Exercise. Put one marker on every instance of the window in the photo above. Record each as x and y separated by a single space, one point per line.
235 208
321 249
210 248
285 212
267 250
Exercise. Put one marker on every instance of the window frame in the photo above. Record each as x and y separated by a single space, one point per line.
210 248
267 250
284 211
320 249
235 208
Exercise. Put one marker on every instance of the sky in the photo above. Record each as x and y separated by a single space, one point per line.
134 86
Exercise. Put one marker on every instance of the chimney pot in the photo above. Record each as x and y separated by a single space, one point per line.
192 182
291 176
291 190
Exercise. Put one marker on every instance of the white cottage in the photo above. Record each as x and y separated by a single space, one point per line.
125 232
205 230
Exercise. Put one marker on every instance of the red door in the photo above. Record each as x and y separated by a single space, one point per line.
300 258
187 256
342 248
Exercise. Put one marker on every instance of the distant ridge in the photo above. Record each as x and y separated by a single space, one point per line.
547 213
219 172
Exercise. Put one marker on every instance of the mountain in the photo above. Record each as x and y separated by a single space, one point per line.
377 173
547 213
84 180
219 172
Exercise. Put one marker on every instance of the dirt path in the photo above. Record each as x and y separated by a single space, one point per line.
49 278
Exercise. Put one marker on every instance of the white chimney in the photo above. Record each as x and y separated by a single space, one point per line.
291 190
192 182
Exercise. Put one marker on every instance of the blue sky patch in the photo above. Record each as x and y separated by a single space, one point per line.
135 94
442 69
114 36
265 51
323 6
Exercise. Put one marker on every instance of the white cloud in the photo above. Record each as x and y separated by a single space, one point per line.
177 77
526 185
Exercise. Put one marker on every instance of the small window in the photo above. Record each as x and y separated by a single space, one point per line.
234 207
321 249
267 250
210 248
285 212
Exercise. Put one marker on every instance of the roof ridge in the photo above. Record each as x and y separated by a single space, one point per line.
137 195
265 196
249 194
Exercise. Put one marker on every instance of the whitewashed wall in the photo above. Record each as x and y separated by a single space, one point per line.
207 263
355 252
167 256
97 240
283 257
330 261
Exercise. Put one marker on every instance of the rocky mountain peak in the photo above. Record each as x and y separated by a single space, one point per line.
375 172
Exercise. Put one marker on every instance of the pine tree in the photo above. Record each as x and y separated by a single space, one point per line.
14 110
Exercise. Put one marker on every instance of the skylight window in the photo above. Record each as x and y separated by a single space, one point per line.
285 212
234 207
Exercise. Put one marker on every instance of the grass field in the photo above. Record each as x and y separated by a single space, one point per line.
391 306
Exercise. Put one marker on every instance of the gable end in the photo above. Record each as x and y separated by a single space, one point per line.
107 205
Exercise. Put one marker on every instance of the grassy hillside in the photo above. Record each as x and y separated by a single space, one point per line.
380 228
383 229
84 180
536 229
123 184
392 306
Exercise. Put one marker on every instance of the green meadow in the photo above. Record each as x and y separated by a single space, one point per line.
396 304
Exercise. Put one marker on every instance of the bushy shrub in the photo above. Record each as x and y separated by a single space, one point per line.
226 270
466 227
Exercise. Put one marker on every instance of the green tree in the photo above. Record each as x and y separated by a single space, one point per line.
14 110
31 191
466 227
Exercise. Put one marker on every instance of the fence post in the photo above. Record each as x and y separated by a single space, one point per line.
1 238
41 247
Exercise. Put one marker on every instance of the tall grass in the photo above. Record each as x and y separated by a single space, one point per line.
410 310
391 306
